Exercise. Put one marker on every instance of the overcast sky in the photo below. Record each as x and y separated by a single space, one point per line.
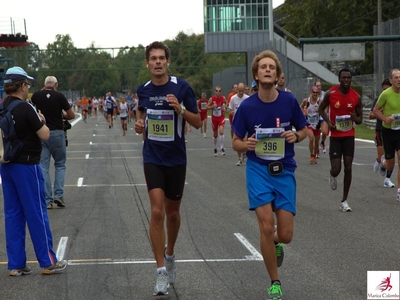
117 23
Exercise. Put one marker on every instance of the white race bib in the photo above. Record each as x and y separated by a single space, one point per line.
160 125
270 145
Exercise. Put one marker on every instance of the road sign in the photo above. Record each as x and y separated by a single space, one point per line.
333 52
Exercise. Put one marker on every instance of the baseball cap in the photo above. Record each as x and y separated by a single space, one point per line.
16 74
253 84
314 89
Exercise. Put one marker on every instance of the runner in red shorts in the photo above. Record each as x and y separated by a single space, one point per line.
202 106
218 103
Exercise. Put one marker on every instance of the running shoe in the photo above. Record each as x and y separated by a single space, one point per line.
388 183
344 206
50 205
204 135
58 267
398 195
171 269
222 151
161 287
215 152
323 148
239 163
311 160
275 292
382 169
317 154
333 182
279 254
18 272
376 167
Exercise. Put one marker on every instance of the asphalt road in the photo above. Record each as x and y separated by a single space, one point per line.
103 231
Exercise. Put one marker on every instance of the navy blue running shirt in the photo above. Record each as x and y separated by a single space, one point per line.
164 128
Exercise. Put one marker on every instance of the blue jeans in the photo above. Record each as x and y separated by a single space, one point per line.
54 147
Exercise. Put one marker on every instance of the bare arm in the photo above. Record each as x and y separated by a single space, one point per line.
378 112
43 133
210 104
69 114
357 115
321 110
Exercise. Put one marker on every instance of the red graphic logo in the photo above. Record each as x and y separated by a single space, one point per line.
385 284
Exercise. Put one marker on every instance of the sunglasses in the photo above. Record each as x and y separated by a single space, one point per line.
218 90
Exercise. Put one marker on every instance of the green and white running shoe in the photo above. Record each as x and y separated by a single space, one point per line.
275 292
279 254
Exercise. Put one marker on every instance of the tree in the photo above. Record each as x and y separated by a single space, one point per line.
332 18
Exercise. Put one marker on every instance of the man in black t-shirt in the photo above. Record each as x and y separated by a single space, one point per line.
55 107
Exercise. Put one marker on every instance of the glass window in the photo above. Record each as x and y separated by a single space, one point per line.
266 24
254 10
248 24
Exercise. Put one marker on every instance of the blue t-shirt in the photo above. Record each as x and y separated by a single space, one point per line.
165 139
284 112
110 102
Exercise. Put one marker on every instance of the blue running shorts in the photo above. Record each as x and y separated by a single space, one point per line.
263 188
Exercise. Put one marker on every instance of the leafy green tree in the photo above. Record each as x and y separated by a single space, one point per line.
332 18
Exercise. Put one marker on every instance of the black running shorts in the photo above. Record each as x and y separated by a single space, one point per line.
170 179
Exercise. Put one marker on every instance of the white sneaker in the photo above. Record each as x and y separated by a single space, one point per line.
388 183
344 206
239 163
161 287
171 269
376 167
398 195
382 169
204 135
323 148
333 182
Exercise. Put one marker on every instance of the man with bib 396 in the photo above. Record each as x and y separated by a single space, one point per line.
263 127
165 104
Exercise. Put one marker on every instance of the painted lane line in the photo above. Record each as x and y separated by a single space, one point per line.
87 156
108 158
108 185
62 245
255 254
85 262
80 181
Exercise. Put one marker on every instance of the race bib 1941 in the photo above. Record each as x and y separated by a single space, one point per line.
270 145
160 125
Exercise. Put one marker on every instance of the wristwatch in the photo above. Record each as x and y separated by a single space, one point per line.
183 109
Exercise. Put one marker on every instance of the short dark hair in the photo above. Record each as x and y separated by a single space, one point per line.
344 70
157 45
386 81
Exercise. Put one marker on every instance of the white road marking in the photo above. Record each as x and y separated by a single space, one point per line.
62 245
87 156
80 181
255 254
